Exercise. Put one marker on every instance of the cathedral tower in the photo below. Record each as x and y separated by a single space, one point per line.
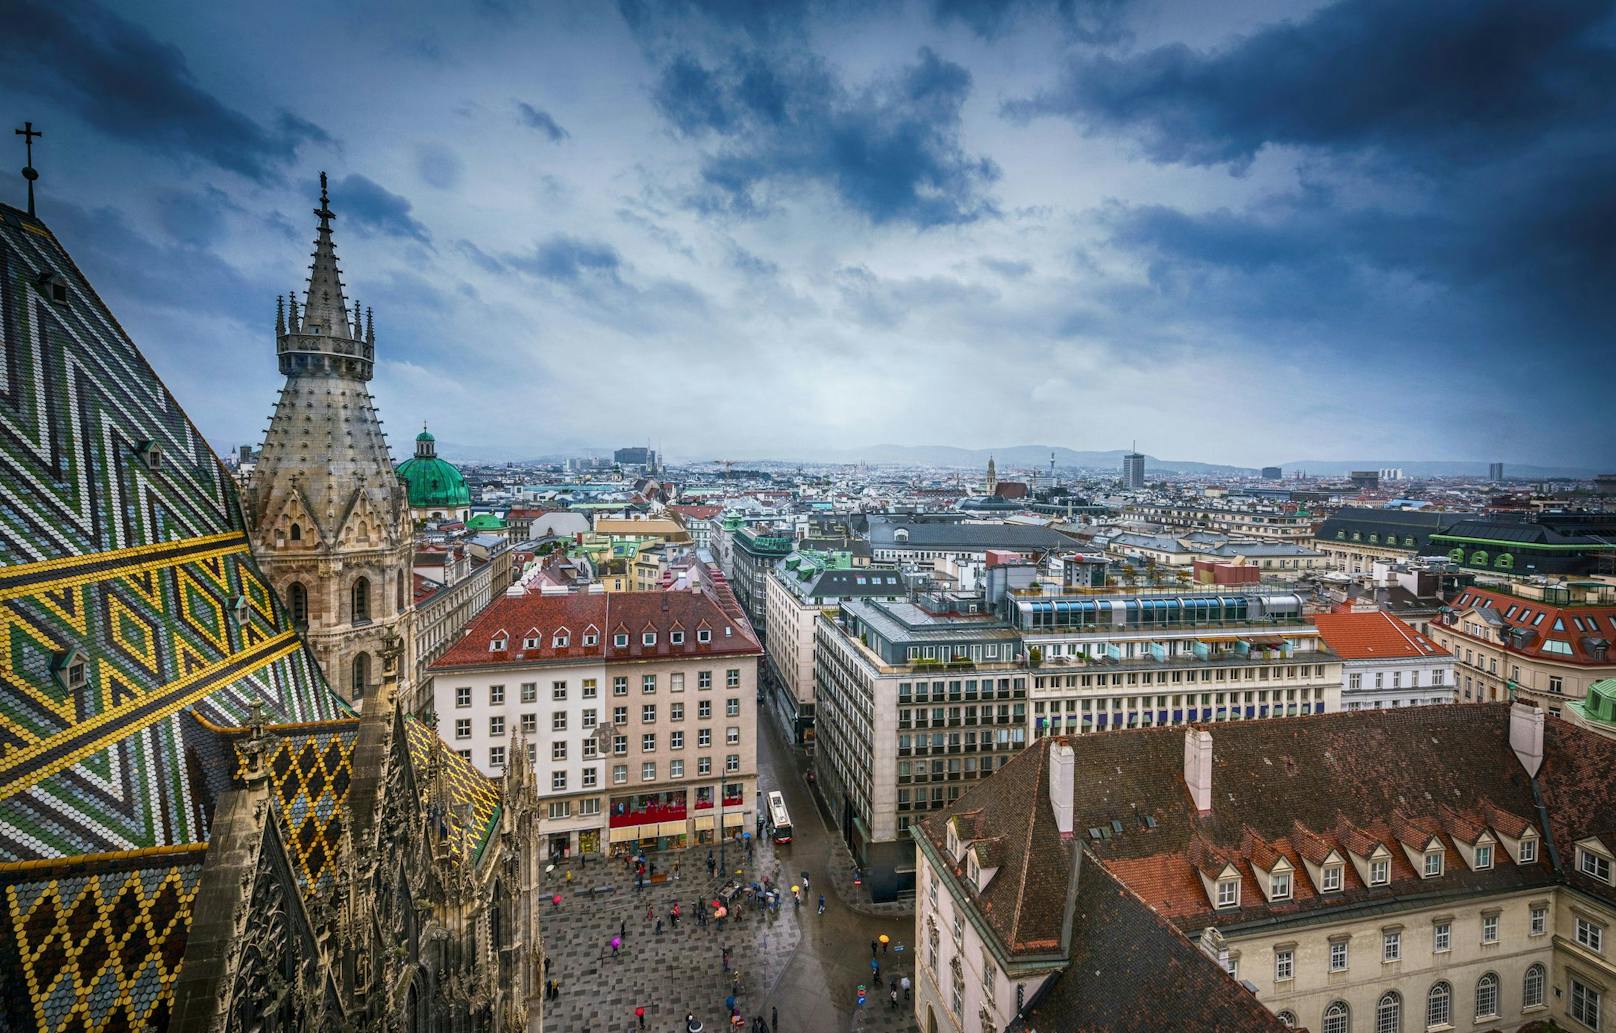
328 515
993 478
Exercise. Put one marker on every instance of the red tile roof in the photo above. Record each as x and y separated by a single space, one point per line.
1579 628
516 619
697 512
1376 635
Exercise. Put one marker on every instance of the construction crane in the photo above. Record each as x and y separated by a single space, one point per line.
727 464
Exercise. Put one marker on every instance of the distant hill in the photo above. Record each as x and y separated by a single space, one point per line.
1434 468
1017 457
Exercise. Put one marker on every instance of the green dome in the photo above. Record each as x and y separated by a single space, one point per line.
432 483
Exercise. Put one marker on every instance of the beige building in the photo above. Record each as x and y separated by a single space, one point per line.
1371 871
1545 645
636 707
1269 524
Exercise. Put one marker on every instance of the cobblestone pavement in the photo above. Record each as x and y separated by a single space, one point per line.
803 964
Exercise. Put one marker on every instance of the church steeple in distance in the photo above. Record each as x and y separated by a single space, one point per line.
326 338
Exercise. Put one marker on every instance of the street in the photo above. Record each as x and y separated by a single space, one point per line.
804 965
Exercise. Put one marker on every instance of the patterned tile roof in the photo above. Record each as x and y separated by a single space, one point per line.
128 594
473 796
95 943
310 772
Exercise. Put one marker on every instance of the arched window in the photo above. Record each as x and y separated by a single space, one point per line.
1532 989
1389 1013
361 599
496 918
1505 561
1336 1018
1287 1018
1487 996
297 533
1479 558
1456 555
1439 1004
399 602
297 597
361 674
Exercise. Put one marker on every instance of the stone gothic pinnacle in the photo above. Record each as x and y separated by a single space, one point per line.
325 307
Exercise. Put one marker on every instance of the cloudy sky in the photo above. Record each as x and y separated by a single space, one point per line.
1229 230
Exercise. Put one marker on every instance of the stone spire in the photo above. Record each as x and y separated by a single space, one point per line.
327 339
325 307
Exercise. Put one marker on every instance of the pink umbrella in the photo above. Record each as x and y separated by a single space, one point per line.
721 912
556 900
617 941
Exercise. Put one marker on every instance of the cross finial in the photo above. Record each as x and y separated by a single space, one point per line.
28 133
324 211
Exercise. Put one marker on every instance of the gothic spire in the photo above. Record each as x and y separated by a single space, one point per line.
325 307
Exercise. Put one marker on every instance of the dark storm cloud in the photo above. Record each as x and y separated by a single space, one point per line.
536 118
1092 21
194 217
439 166
129 85
565 259
1451 78
373 208
890 150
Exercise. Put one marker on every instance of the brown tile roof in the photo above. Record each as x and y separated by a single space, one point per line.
632 613
1541 622
1375 635
1503 822
1412 832
1461 828
1310 845
1132 972
1578 779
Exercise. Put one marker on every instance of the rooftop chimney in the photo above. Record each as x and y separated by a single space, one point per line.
1062 762
1198 767
1526 736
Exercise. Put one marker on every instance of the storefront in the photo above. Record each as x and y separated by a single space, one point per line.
649 821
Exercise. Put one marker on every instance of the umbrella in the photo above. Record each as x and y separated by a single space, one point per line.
721 912
796 889
556 900
884 938
746 835
617 941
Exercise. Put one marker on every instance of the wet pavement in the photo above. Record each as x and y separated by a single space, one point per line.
800 964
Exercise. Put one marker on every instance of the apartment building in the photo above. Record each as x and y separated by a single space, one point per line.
636 707
1385 662
1266 523
903 539
1357 538
914 701
1541 643
1437 868
1168 657
795 591
753 553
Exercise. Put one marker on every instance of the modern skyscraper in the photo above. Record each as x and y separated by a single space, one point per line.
1133 470
1495 472
327 512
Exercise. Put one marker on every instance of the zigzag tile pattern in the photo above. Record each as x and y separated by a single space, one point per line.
310 772
140 569
473 797
98 942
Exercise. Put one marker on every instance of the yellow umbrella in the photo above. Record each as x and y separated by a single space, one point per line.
885 938
795 889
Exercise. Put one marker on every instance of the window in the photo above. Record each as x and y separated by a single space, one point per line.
704 765
590 777
558 691
1280 883
1489 928
620 685
1391 945
648 714
1528 851
676 712
1354 681
496 695
558 721
590 690
1441 937
1389 1013
463 728
530 724
1487 996
732 678
619 774
1284 964
530 691
676 769
648 638
732 763
1484 857
676 681
1335 1018
620 745
648 742
1338 955
1228 893
620 640
1380 872
1433 863
560 808
361 599
590 638
530 642
1592 865
704 679
1287 1018
496 756
558 780
1532 987
558 750
1556 684
1539 920
1584 1003
732 707
1591 935
676 740
496 727
676 637
463 696
703 635
561 640
1331 877
647 683
648 771
1439 1005
990 978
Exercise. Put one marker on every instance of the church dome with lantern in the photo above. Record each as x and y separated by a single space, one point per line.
437 491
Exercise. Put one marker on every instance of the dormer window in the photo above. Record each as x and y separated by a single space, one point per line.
238 609
1380 872
676 638
1281 886
620 640
1484 857
648 638
1528 852
150 455
497 644
704 635
1330 878
71 670
561 640
1228 894
1593 865
590 638
530 642
1433 864
53 287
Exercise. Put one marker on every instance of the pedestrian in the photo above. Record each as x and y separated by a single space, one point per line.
622 928
821 903
774 1019
546 964
659 927
873 947
615 944
724 956
729 1003
907 986
883 946
807 882
894 996
569 875
648 912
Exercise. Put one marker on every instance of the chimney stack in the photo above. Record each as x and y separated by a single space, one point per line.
1526 736
1198 767
1062 764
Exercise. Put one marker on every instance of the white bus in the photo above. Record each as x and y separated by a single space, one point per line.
779 818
